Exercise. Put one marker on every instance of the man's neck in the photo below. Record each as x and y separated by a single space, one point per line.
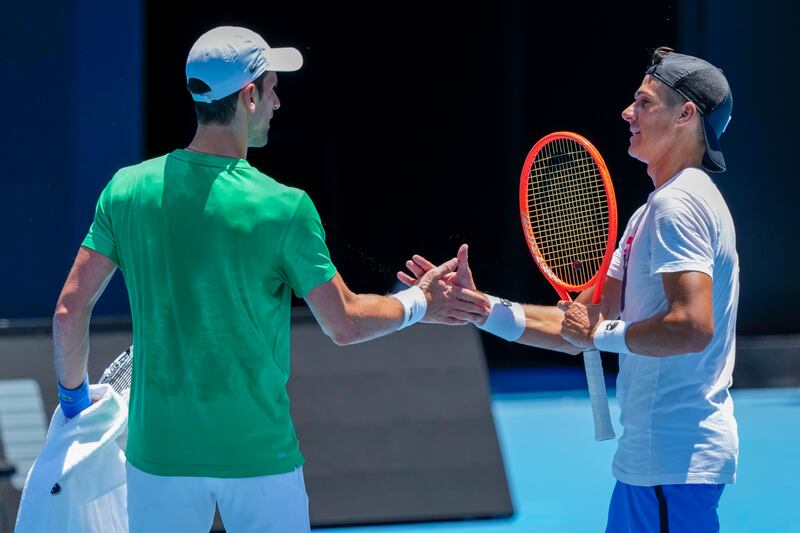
219 140
678 158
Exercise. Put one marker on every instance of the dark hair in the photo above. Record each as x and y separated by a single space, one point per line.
659 54
219 111
673 97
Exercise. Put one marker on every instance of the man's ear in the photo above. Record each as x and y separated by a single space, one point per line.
688 112
248 96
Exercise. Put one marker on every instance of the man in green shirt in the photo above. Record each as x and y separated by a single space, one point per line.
211 249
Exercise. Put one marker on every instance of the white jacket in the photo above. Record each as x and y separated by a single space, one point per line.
77 484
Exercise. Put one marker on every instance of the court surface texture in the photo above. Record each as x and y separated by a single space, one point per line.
560 477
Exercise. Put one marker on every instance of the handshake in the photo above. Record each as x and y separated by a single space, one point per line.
453 299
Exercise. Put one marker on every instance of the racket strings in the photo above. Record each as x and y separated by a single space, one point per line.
568 210
118 374
574 258
572 255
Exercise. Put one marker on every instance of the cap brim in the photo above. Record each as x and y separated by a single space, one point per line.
713 160
283 59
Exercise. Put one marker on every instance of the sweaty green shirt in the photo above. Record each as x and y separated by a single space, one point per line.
210 249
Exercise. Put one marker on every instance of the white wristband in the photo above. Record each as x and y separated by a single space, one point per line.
506 319
609 336
414 305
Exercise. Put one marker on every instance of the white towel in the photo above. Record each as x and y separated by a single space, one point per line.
77 484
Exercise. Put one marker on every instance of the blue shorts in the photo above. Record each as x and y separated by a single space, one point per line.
664 509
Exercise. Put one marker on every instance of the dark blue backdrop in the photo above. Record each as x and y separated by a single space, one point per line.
408 130
72 93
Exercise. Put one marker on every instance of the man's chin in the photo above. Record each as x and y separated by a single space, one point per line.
635 155
259 143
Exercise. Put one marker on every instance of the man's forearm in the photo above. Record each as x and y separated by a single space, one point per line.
532 325
349 318
543 329
71 345
89 275
369 316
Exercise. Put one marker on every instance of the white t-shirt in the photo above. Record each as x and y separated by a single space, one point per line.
677 413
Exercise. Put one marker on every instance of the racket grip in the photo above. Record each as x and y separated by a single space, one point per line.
603 430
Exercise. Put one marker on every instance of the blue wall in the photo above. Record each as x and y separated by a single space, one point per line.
73 113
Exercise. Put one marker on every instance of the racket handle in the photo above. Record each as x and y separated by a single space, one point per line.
603 430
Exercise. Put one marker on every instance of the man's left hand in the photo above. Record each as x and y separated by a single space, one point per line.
579 323
448 302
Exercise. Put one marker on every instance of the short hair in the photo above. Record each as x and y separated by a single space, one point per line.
673 97
219 111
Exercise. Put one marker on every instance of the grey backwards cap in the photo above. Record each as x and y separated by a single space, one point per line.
705 85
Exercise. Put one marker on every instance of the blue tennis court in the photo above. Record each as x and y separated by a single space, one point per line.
560 478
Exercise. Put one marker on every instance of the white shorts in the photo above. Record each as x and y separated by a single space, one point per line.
266 504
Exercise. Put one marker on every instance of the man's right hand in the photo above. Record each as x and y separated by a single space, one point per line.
454 298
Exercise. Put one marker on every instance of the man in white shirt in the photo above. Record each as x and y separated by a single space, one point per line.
674 284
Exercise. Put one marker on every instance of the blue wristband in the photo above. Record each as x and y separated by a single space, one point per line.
73 401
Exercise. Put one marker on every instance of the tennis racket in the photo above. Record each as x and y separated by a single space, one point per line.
118 373
569 216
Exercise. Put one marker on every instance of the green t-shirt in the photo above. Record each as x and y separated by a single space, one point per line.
210 249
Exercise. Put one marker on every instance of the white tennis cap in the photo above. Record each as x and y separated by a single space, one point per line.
227 58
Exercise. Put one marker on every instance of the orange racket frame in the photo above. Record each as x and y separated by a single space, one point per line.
598 280
594 369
